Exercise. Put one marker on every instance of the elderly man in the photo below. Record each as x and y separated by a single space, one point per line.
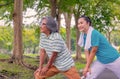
52 44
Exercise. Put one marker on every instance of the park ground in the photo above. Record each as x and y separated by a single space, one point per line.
13 71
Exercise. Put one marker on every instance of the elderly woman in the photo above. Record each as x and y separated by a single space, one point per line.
52 44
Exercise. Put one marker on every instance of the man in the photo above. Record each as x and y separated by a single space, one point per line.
52 44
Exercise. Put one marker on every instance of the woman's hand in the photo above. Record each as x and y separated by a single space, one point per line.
38 70
43 71
86 70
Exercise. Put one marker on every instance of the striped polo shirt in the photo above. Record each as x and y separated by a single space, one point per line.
54 42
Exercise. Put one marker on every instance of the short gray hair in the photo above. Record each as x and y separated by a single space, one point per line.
51 24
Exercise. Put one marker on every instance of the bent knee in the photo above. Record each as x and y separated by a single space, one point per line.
38 76
36 72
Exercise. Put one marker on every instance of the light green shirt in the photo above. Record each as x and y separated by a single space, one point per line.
54 42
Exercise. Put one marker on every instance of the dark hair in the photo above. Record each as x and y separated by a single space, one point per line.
87 19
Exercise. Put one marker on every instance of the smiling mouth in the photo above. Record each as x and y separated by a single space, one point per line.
81 27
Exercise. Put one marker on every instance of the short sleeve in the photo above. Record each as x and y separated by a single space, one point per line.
57 45
40 44
95 38
42 40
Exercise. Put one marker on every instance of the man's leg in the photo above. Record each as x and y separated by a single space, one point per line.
96 69
72 73
51 72
115 67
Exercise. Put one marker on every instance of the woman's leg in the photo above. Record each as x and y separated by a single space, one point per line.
72 73
96 69
115 67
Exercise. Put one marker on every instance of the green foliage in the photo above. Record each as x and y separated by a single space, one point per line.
66 5
73 36
6 37
116 38
63 33
7 8
4 56
28 4
73 39
79 65
101 12
30 37
31 55
42 8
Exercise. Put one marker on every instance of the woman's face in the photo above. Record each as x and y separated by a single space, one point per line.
43 27
83 25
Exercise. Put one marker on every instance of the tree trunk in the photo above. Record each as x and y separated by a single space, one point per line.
108 34
58 19
53 7
78 49
68 33
55 12
17 56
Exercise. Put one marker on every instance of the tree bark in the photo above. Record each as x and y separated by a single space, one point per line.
68 32
17 56
53 7
55 12
78 49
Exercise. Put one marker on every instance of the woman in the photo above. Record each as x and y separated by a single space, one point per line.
52 44
95 43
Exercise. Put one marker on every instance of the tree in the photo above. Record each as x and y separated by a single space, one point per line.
66 8
55 13
17 56
68 17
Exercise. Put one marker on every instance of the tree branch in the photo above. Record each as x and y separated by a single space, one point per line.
1 5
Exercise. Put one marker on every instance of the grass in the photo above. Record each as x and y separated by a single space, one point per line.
4 56
31 55
20 72
13 70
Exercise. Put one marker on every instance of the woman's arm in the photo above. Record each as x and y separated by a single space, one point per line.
42 57
52 59
91 56
87 54
49 64
90 60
